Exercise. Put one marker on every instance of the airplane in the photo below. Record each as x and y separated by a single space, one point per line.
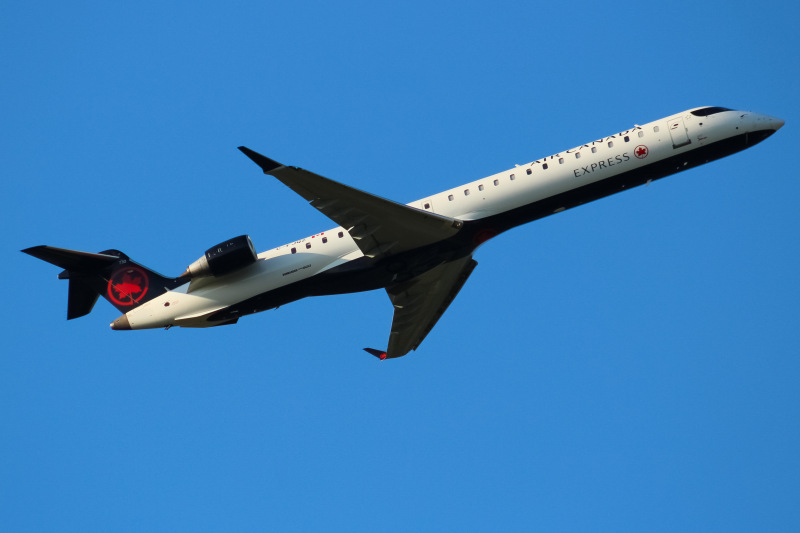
421 253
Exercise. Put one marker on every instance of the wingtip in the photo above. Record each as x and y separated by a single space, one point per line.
380 354
32 250
266 164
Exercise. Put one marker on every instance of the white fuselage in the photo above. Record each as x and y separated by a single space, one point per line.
549 177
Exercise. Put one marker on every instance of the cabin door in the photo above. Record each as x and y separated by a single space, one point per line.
677 130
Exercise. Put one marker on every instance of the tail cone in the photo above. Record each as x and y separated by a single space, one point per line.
121 323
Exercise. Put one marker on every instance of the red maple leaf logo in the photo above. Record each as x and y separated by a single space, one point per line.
641 151
127 287
130 285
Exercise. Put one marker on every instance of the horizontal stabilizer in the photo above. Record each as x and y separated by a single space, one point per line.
71 259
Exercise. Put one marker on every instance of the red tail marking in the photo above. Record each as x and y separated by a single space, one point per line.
128 286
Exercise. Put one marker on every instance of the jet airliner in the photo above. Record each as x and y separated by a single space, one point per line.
421 253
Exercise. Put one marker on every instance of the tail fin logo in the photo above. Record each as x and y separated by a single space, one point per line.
128 285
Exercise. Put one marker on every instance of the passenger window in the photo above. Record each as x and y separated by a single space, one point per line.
627 139
427 206
341 234
577 155
324 240
611 144
529 171
496 183
544 166
594 149
560 160
466 192
480 187
308 245
294 250
655 129
450 197
511 177
641 133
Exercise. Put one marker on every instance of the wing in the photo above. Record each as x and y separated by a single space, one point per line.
380 227
420 302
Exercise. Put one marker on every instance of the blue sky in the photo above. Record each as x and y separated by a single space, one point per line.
630 365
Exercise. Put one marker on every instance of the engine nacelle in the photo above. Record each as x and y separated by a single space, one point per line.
224 258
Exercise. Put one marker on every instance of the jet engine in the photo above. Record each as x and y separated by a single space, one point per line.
224 258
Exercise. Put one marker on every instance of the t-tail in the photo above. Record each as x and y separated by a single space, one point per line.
110 274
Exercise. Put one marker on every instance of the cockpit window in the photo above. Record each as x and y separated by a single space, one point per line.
704 112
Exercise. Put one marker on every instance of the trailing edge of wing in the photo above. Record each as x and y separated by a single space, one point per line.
420 302
380 227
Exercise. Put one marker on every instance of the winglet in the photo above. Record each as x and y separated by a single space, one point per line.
266 164
380 354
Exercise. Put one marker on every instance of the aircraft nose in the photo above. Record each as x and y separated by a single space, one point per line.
759 127
772 123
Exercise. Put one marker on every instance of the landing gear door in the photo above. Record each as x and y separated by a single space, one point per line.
677 130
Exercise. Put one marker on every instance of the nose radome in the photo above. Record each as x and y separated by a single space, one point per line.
773 123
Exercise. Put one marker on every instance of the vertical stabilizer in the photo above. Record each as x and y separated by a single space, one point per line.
110 274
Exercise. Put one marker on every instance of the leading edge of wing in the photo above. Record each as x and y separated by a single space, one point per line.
380 227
